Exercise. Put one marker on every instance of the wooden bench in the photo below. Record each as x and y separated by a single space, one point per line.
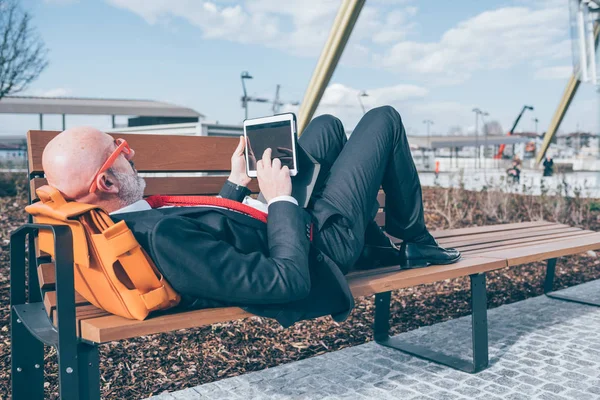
55 315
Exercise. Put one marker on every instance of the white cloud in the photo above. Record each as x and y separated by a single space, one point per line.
343 101
534 32
559 72
338 95
55 92
298 27
494 39
229 22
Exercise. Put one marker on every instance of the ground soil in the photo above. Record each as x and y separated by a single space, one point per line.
145 366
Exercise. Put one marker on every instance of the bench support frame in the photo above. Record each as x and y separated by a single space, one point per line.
479 328
549 286
31 328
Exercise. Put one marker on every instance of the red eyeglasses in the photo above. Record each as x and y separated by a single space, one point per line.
122 147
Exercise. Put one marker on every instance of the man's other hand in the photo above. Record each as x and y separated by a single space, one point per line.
273 180
238 165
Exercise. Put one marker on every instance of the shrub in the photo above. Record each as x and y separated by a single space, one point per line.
12 183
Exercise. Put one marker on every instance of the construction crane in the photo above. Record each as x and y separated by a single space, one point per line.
512 130
277 103
247 99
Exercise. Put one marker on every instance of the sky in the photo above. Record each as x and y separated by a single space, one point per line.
433 60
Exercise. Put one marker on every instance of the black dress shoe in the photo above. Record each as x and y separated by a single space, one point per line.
378 251
424 250
373 257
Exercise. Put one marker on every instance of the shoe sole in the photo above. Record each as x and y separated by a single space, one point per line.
422 263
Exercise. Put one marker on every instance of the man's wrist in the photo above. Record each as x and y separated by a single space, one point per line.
239 180
286 197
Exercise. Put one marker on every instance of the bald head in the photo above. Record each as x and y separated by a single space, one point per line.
72 159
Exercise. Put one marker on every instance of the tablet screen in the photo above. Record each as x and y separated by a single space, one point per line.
277 136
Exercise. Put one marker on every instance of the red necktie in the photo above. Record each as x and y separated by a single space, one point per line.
183 201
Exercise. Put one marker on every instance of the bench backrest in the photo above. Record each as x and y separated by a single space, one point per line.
165 154
158 154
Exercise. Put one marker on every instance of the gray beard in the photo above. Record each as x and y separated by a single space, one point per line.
131 187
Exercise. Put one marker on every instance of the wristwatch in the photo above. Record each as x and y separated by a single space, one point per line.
234 191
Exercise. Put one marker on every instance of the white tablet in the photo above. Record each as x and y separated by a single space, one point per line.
278 133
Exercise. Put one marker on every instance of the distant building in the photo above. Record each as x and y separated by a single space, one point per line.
147 112
148 121
585 143
140 112
531 135
12 152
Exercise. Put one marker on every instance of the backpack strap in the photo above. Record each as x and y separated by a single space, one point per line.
157 201
129 253
52 204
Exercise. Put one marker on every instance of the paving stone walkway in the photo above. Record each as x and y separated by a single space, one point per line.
539 349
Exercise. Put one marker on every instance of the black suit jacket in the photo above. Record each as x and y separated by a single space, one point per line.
215 257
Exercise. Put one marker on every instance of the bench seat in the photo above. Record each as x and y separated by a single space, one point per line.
484 249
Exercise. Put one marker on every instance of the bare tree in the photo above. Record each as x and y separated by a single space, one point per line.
455 130
493 128
22 51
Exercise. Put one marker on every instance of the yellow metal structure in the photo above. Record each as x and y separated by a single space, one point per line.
330 55
563 106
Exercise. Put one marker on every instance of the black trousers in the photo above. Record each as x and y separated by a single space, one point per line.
344 200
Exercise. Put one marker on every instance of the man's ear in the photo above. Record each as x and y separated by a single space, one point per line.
107 183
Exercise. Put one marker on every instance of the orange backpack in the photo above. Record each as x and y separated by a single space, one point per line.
112 271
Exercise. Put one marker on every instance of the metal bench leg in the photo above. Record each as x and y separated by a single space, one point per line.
27 362
27 352
89 371
549 286
78 363
479 325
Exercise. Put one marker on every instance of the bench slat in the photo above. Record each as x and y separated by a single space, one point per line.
367 285
176 185
488 228
46 276
498 236
533 253
84 311
187 153
525 241
112 327
516 245
50 301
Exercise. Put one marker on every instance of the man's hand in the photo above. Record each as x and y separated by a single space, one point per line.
273 180
286 155
238 165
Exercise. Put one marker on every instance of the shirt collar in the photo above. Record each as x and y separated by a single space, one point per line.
140 205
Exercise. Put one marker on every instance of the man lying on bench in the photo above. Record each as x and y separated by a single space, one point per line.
291 267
